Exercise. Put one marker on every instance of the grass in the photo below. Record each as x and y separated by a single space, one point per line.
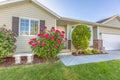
109 70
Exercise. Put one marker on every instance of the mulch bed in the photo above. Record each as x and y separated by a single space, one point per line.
10 61
82 54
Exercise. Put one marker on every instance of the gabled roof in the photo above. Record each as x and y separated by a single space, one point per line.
103 21
34 1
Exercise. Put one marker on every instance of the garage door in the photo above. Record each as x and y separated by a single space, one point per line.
111 42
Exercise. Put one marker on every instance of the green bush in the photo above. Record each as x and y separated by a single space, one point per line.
87 51
7 42
81 36
95 51
48 44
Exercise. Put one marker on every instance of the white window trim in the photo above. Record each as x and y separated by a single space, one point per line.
29 25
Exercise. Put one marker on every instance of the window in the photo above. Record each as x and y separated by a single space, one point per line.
34 27
29 26
24 27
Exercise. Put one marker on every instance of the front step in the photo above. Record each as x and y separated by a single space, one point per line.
18 57
29 56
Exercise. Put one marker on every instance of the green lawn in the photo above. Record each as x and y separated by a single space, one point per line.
57 71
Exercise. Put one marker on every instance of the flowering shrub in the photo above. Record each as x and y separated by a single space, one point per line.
48 43
7 42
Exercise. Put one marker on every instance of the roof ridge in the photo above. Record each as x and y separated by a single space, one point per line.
106 19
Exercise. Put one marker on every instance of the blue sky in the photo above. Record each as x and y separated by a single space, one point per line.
89 10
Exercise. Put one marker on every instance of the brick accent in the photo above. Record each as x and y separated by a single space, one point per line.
69 44
98 44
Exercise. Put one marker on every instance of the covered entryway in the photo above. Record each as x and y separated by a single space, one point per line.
111 41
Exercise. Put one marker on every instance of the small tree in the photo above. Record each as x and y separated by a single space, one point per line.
81 37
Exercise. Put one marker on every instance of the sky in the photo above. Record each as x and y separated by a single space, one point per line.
88 10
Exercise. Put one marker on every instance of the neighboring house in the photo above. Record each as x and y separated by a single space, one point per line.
27 17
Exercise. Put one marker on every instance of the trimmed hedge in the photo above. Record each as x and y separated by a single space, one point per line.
81 36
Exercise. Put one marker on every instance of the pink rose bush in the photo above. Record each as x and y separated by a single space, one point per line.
7 42
48 43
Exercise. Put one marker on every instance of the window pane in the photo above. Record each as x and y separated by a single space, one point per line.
34 27
24 26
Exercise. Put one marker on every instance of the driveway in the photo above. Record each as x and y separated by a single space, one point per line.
75 60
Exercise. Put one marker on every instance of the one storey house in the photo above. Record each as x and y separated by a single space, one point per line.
26 17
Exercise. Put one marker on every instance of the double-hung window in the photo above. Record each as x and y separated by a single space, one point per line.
33 27
29 26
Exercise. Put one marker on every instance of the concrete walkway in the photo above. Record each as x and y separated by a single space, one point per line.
75 60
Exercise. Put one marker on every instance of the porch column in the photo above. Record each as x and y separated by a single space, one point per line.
68 37
97 40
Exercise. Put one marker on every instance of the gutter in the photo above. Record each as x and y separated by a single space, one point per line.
89 23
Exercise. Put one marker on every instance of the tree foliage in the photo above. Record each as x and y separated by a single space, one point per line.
81 36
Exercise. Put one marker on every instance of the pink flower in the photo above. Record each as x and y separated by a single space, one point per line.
45 27
43 44
58 41
33 39
52 37
42 35
34 45
56 47
3 29
63 32
39 35
30 42
57 31
62 35
38 43
52 29
47 36
66 39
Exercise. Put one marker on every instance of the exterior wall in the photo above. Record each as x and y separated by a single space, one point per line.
27 10
114 22
109 31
